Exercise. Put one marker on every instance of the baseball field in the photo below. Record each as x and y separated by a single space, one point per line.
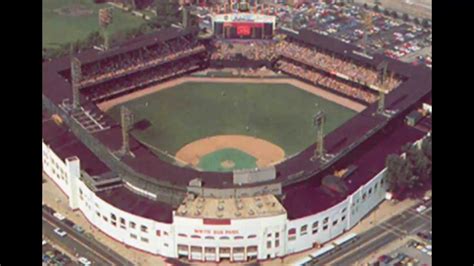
218 126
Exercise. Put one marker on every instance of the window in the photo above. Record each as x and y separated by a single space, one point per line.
344 210
182 235
210 250
292 234
144 229
105 218
334 222
113 217
304 230
196 237
196 249
343 218
252 236
209 237
165 233
251 249
375 187
370 191
122 220
98 214
238 237
133 236
224 238
114 223
381 181
364 196
132 225
158 233
269 244
143 239
183 248
269 235
277 243
224 250
326 220
325 227
239 250
277 235
316 224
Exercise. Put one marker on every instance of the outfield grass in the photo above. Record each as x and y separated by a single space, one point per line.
279 113
60 29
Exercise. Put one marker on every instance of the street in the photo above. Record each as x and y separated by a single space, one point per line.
406 223
76 243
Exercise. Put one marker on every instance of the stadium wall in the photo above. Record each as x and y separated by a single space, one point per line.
165 239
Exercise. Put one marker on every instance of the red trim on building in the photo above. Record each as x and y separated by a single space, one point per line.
216 221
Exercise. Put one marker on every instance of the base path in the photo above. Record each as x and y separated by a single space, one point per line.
265 152
348 103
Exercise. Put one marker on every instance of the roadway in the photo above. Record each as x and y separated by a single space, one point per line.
407 223
76 243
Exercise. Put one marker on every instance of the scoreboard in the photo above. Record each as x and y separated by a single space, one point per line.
243 26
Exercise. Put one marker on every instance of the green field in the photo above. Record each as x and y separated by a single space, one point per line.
279 113
213 161
60 29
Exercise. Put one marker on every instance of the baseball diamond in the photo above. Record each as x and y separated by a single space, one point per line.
196 110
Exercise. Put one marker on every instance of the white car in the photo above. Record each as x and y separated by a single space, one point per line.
421 208
60 232
59 216
84 261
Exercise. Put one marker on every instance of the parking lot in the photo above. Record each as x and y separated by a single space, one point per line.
52 256
394 37
415 252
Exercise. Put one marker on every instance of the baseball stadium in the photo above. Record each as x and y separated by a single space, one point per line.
227 148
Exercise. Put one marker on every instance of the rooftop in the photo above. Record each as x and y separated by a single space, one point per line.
230 208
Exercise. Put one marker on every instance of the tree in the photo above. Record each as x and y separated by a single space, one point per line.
167 13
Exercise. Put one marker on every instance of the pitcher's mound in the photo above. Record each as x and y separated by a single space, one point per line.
227 164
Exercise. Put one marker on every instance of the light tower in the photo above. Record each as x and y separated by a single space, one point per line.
76 77
381 77
126 122
105 19
367 17
318 122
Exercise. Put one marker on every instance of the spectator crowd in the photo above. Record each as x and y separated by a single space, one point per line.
137 80
311 56
139 59
251 50
326 81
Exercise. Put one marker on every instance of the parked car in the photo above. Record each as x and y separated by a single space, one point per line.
59 216
84 261
60 232
78 229
420 208
69 222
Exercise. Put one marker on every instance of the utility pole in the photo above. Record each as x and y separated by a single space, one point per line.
318 122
